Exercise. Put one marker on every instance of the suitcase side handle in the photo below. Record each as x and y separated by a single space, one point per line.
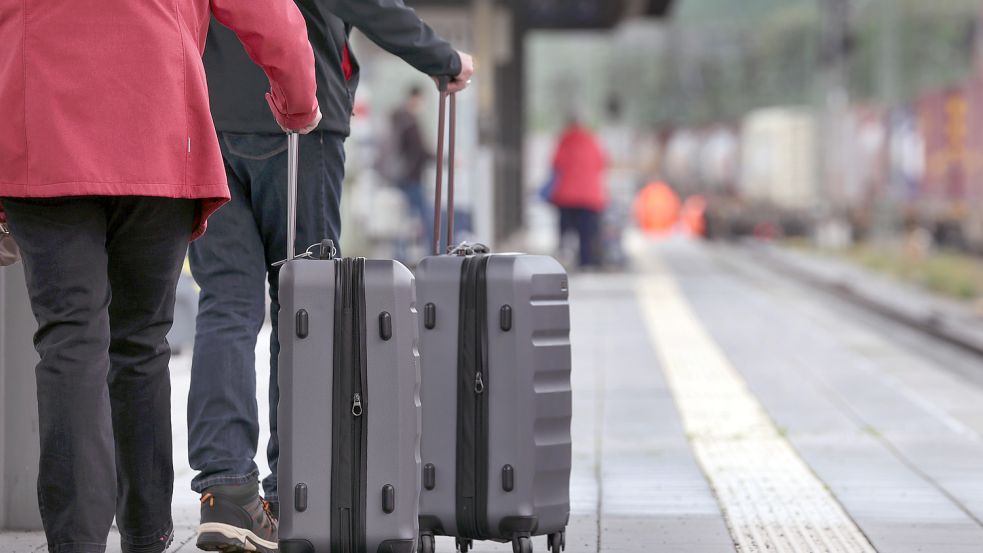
442 124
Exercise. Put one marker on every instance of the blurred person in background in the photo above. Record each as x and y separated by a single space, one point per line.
232 264
408 159
579 190
107 169
692 216
620 141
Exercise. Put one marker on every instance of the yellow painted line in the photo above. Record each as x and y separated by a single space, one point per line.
771 500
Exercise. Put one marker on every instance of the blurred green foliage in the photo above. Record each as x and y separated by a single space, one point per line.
717 59
948 273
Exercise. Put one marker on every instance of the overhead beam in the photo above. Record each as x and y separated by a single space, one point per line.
570 14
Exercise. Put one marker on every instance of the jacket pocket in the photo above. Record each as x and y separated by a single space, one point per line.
253 146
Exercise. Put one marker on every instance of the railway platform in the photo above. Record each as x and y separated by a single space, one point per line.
724 407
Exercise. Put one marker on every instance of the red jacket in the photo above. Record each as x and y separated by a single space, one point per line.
108 97
579 166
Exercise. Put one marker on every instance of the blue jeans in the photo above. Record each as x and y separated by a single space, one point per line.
421 212
232 263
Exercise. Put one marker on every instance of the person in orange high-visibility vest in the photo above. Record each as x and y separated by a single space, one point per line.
693 216
657 208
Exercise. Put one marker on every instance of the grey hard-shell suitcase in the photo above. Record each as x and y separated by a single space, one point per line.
497 404
349 411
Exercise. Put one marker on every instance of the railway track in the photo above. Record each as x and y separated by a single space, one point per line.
942 322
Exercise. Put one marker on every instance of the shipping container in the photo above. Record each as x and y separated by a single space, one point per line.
778 158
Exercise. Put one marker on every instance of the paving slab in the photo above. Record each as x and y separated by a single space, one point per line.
771 499
846 422
914 405
654 495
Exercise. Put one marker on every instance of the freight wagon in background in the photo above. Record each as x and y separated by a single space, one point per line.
948 198
856 196
777 176
913 166
758 175
703 161
682 160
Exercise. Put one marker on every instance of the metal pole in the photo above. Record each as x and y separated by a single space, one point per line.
293 146
452 140
832 146
886 214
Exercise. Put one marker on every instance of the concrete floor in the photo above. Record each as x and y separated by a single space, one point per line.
876 430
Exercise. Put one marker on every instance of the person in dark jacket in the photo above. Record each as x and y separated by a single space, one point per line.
412 157
232 263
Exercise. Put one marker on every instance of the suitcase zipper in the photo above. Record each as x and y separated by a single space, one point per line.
348 459
481 399
358 405
473 428
343 436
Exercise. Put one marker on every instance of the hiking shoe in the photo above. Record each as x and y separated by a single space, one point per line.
234 519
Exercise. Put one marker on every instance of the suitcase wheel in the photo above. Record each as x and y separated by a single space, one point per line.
522 544
557 542
427 544
464 545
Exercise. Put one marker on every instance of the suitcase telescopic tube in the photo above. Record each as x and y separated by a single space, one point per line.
452 142
293 145
439 185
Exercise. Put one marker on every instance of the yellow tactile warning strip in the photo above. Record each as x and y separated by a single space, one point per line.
771 500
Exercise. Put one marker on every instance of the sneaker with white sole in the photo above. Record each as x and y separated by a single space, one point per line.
234 519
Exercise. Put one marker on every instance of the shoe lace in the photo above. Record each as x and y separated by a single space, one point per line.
209 498
268 510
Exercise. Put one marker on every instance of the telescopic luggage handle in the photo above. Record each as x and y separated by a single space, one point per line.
443 84
293 152
327 247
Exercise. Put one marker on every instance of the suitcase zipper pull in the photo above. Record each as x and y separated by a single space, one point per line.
479 384
357 405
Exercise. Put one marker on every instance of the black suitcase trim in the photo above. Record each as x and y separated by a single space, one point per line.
397 546
296 546
348 463
473 378
518 526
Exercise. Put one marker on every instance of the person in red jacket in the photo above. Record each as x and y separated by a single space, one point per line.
579 191
109 165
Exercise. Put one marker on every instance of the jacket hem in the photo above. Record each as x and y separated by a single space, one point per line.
210 196
114 188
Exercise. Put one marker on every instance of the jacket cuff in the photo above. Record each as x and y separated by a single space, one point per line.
291 121
455 65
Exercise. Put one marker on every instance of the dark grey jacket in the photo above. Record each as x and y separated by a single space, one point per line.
236 86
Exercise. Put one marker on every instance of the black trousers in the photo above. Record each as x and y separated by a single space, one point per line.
587 225
101 275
